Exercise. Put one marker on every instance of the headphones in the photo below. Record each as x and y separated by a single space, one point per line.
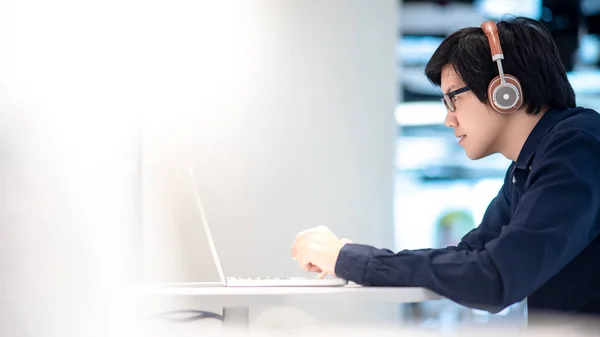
504 91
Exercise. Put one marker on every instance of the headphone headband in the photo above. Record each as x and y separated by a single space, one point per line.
490 29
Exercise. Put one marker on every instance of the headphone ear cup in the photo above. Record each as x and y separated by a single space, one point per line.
505 98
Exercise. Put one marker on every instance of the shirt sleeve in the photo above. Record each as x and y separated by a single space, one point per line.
554 221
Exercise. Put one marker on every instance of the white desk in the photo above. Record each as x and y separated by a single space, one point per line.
237 301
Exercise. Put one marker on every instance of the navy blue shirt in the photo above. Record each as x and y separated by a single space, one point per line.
538 239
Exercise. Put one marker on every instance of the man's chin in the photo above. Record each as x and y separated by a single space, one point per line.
475 155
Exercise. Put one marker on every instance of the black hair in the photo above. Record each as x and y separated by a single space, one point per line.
530 55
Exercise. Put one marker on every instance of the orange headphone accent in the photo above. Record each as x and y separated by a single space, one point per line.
504 91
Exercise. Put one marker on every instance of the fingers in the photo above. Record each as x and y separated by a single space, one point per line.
304 254
303 235
306 248
313 269
299 237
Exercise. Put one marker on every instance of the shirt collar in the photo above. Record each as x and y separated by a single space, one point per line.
543 126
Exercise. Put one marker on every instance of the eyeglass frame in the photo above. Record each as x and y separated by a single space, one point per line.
448 98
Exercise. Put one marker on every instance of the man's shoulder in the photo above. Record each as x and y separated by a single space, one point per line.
578 120
574 137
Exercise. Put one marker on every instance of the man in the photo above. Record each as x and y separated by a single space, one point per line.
538 239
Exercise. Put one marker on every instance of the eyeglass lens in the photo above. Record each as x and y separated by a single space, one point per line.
448 103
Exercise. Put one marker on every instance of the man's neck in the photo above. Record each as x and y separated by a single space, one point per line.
519 128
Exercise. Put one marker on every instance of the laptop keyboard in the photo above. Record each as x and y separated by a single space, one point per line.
260 278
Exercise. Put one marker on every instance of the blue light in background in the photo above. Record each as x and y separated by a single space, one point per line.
496 9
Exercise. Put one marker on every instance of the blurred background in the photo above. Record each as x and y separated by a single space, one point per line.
440 193
292 113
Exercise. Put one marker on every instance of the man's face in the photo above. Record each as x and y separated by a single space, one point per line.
478 126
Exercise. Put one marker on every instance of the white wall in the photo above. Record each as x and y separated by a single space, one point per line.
301 134
286 111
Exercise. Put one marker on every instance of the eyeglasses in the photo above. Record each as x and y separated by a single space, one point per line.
450 97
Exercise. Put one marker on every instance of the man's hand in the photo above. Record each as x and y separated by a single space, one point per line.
317 250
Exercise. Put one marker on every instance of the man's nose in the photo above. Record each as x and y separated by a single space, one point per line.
451 120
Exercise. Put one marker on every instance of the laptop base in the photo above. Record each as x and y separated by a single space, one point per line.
283 282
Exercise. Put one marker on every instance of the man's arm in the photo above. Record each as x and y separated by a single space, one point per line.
555 220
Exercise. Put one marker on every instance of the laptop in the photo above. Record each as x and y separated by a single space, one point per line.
253 281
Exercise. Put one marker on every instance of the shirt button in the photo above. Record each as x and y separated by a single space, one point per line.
514 180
